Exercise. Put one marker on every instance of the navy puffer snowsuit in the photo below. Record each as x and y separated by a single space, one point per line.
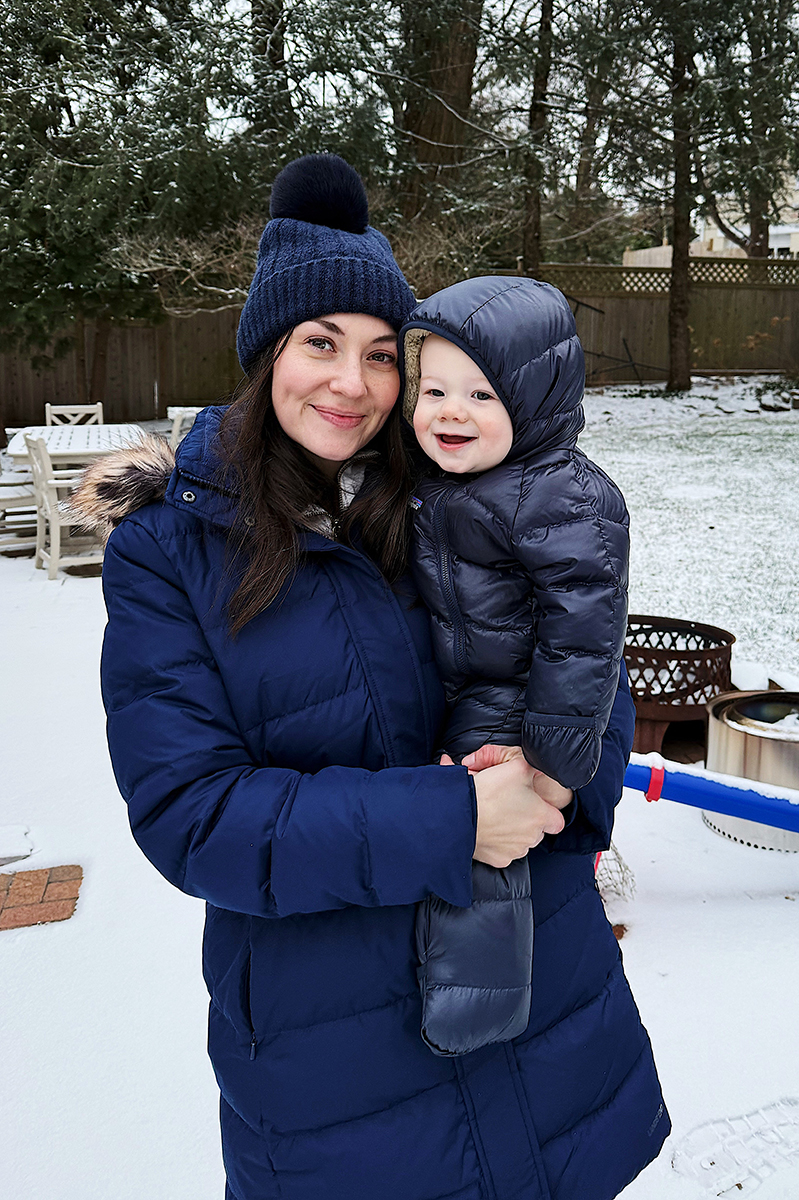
524 567
277 776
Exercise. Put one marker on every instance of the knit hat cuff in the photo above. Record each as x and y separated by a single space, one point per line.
279 300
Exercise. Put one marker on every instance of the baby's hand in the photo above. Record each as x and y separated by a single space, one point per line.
551 791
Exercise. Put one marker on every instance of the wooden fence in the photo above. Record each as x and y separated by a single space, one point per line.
744 316
183 361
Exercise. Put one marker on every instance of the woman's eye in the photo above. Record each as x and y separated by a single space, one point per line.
320 343
384 358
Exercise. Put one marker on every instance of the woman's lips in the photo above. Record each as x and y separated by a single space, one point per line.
339 419
453 441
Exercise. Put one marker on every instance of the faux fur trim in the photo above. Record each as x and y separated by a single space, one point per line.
118 484
414 339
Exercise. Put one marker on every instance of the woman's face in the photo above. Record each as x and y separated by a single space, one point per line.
334 384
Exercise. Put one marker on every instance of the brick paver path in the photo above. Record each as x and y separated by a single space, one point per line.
34 897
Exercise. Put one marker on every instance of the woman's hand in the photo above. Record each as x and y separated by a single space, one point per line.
512 817
491 755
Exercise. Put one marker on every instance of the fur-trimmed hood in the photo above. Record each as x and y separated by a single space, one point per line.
115 486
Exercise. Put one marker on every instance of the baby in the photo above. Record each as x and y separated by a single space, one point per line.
520 553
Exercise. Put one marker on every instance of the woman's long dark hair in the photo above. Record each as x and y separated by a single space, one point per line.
278 484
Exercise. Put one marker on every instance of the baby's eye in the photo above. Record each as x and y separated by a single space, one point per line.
482 396
436 392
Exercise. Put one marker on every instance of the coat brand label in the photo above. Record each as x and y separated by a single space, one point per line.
658 1115
415 502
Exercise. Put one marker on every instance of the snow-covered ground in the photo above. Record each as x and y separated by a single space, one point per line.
106 1090
712 484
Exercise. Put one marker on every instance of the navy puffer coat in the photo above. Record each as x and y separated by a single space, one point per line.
278 777
524 567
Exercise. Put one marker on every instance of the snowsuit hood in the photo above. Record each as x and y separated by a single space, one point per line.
522 336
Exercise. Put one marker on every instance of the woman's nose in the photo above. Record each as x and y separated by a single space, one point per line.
347 380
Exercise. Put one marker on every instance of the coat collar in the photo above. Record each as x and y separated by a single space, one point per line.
201 483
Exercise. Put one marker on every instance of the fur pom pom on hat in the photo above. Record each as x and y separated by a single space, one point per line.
319 255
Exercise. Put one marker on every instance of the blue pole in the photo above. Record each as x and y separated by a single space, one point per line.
702 792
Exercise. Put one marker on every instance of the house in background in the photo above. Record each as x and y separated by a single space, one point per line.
783 239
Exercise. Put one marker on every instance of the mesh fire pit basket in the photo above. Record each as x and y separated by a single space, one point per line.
675 668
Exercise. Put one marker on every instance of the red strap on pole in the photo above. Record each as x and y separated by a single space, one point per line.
656 777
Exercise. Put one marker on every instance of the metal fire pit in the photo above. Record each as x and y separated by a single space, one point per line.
754 735
675 668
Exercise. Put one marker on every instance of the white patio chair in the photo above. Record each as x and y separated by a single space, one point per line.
17 511
51 488
73 414
180 416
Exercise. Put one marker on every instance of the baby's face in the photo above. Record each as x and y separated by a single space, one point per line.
459 420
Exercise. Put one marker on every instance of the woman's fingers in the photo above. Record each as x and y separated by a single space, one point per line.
511 817
490 755
446 761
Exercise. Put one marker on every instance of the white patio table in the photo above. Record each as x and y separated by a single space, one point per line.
74 443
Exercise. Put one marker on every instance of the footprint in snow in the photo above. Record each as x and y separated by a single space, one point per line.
732 1156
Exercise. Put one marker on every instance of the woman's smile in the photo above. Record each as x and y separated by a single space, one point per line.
342 420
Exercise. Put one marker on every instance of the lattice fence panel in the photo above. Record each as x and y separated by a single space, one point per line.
587 279
748 272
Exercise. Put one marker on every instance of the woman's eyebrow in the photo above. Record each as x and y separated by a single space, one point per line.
384 337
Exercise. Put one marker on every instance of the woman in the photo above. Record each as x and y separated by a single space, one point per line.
272 704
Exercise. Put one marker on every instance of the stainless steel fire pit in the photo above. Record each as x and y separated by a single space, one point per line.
754 735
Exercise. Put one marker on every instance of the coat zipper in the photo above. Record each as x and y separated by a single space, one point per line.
445 576
253 1038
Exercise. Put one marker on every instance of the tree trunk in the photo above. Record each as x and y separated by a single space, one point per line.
759 198
81 388
271 108
682 203
102 333
443 52
582 214
537 122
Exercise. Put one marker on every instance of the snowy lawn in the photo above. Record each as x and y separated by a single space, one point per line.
106 1088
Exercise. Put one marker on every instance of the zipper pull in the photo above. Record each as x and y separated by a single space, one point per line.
253 1044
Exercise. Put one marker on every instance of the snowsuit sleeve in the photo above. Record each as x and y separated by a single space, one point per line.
248 837
590 815
576 552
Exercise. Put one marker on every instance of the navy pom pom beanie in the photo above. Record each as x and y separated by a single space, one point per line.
318 255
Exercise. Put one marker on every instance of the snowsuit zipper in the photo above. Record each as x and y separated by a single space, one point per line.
445 577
